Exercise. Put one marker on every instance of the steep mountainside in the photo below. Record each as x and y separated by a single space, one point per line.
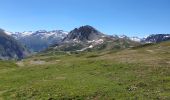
39 40
83 34
10 48
89 38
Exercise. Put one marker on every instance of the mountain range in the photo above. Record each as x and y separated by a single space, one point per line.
88 38
84 38
39 40
156 38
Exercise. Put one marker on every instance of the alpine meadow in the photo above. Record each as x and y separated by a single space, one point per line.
85 50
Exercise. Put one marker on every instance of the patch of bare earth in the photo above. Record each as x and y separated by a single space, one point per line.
39 62
20 63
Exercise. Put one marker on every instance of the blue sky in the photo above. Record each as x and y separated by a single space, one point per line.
129 17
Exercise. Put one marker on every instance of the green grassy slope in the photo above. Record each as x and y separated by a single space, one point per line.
139 73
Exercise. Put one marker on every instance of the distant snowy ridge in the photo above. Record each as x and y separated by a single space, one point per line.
85 36
156 38
39 40
40 33
137 39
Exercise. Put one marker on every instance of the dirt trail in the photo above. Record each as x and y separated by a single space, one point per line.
39 62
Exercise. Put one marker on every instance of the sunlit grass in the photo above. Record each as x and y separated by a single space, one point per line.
128 74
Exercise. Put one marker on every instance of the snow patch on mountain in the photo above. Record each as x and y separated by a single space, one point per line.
136 39
8 33
92 44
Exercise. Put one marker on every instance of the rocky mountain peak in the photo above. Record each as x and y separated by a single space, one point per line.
84 33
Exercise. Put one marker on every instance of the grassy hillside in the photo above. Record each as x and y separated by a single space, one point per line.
139 73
